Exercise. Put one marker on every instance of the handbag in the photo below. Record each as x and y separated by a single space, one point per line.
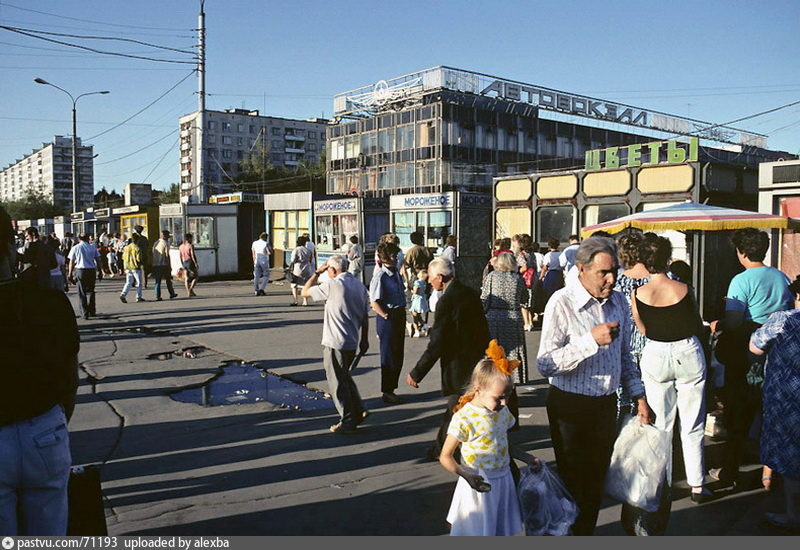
528 277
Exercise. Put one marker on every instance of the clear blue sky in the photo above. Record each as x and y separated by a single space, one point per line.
712 60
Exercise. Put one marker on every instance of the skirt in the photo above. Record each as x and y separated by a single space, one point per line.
494 513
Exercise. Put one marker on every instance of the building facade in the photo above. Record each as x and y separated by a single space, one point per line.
444 129
231 136
49 171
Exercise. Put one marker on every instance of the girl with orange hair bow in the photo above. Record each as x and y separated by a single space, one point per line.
485 501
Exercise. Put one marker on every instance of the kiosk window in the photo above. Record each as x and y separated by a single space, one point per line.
434 226
175 228
439 226
599 213
403 226
202 228
554 221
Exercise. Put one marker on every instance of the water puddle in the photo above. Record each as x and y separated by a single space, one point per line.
242 383
144 331
187 353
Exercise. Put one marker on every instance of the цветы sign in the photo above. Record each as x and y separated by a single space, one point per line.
641 153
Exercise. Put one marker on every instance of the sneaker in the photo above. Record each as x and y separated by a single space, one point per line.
392 398
526 328
140 300
340 428
123 299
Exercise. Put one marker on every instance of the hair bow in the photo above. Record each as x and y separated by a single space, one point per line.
497 354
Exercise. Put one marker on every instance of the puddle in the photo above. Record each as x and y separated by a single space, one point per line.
188 353
243 383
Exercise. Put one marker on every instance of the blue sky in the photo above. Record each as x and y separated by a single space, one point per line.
711 60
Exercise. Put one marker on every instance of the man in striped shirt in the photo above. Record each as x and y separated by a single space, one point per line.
585 354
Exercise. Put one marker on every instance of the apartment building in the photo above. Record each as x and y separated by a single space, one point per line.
49 171
228 137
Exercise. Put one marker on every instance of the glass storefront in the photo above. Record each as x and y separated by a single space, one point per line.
434 226
599 213
555 221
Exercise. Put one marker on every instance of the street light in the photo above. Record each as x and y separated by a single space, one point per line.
74 136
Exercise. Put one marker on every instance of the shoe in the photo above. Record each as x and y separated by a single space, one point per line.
123 299
703 496
526 328
171 296
364 415
781 521
717 474
409 329
140 300
340 428
293 304
86 317
191 293
261 293
392 398
159 299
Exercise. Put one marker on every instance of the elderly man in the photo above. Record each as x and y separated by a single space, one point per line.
585 353
346 312
458 339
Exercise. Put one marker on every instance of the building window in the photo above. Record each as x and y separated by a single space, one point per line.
276 131
312 134
226 126
240 141
252 129
277 143
311 146
212 125
227 154
240 128
226 140
555 221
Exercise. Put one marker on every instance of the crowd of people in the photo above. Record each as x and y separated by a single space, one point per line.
621 337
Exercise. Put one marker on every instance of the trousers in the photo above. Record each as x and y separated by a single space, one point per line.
342 388
583 429
132 275
260 275
86 279
674 376
162 272
34 472
391 334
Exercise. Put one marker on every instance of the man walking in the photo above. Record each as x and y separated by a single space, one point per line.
346 313
567 257
458 339
83 272
261 251
37 259
132 260
144 247
585 353
162 268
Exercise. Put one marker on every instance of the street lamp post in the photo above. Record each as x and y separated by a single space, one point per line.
74 136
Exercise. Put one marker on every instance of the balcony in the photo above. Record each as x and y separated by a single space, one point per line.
291 163
294 150
186 172
186 146
186 133
293 137
187 159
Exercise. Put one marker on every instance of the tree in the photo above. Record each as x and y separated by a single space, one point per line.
167 196
32 206
104 199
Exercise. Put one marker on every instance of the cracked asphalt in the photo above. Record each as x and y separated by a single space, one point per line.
174 468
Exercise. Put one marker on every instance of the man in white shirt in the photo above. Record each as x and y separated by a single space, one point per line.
83 271
261 251
161 265
585 353
346 313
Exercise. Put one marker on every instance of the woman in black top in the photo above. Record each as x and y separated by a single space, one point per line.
673 361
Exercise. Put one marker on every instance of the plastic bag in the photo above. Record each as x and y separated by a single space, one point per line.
547 506
638 465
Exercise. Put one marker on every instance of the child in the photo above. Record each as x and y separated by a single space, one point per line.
485 501
419 304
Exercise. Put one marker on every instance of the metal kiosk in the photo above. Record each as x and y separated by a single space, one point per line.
288 215
106 221
438 215
131 216
336 220
82 222
249 224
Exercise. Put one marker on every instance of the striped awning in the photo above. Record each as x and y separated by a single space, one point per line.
693 216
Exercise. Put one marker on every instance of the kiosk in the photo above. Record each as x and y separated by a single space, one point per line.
437 215
216 237
338 219
288 215
106 221
137 214
82 222
62 226
250 223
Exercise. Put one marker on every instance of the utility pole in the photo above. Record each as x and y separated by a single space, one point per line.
202 191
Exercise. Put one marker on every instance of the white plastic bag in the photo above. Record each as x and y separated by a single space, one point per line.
547 507
638 465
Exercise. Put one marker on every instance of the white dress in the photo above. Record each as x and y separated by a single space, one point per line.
484 449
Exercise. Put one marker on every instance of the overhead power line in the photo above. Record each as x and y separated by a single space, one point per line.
53 40
711 127
159 140
168 151
7 5
93 37
85 29
144 108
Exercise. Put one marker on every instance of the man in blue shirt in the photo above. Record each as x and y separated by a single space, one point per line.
753 296
83 270
388 299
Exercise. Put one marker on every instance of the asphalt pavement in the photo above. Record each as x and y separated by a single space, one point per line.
177 468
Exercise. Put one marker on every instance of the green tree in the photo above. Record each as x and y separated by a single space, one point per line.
32 206
167 196
105 199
